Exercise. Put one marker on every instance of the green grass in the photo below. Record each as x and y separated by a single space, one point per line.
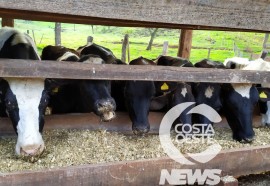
73 36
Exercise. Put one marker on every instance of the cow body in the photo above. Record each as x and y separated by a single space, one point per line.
23 99
80 96
104 53
174 93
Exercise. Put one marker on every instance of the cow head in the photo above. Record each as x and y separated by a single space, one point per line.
138 95
24 99
80 95
96 94
259 64
175 92
207 93
25 103
239 102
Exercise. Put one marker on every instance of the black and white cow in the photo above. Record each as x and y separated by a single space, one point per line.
240 99
170 94
260 65
104 53
131 96
23 99
80 96
207 93
59 53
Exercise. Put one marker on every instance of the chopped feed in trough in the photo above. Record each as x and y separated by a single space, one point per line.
77 147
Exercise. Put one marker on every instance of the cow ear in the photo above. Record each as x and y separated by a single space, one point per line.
264 93
51 84
158 103
163 87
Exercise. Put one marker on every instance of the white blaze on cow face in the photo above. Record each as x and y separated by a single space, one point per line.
209 92
28 94
242 89
184 92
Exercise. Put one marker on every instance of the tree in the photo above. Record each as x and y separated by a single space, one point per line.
265 40
153 32
57 30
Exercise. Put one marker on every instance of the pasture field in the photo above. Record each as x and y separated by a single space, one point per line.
222 43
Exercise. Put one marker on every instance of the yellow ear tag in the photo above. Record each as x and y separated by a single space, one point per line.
263 95
164 87
55 90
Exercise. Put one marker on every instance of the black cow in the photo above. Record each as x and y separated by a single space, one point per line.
23 99
207 93
133 96
80 96
138 95
170 94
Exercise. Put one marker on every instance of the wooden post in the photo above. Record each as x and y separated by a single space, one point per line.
128 53
34 38
90 39
7 22
57 34
165 48
185 42
124 48
266 36
209 51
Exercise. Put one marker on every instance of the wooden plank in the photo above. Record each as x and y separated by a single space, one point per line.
215 14
69 70
185 43
121 123
89 121
7 22
235 162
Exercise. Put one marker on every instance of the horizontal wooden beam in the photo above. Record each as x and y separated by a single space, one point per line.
234 162
216 14
90 121
69 70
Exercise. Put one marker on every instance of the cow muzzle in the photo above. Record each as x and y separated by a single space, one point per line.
106 109
32 150
140 129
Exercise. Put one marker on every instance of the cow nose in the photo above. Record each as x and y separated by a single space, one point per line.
249 140
31 150
140 129
108 104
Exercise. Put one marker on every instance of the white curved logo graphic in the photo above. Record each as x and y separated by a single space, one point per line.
165 133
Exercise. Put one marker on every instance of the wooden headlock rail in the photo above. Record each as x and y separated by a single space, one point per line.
233 15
